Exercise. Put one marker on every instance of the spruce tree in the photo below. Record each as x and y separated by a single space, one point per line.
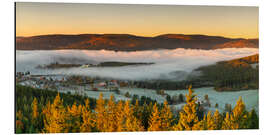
55 117
155 120
188 119
88 118
101 114
166 117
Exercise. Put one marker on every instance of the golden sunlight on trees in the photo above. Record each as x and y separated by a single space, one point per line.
34 109
237 119
109 115
188 117
155 122
55 117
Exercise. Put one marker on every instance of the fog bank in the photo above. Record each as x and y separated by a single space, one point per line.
169 64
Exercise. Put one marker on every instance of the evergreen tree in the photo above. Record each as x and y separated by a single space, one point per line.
74 114
253 120
155 120
88 118
238 117
188 119
34 109
120 116
166 117
131 123
111 111
217 118
55 117
101 114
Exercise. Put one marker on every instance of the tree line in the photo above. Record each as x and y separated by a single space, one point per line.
232 75
67 113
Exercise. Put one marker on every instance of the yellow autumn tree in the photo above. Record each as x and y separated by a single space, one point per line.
111 111
34 110
188 117
217 118
119 115
155 120
55 117
238 117
211 122
74 115
101 114
88 118
166 117
131 123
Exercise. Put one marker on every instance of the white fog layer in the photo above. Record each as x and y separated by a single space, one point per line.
169 64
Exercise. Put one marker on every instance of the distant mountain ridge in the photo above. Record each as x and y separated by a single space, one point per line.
127 42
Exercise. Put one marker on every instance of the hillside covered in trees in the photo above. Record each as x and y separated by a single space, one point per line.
44 111
237 74
127 42
232 75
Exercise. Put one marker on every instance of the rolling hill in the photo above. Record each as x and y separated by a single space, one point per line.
126 42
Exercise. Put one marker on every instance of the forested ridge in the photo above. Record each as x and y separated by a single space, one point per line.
237 74
232 75
44 111
127 42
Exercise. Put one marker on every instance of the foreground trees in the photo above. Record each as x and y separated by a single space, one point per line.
58 116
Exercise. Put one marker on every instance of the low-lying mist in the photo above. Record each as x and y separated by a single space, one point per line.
169 64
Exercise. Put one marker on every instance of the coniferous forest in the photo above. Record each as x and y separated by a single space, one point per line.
45 111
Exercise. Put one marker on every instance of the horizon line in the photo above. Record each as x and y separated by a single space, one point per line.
74 34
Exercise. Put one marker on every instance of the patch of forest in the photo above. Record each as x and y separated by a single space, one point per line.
119 64
233 75
56 65
44 111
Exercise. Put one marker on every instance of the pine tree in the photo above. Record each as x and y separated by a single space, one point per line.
55 117
155 120
100 110
119 114
217 118
188 117
111 111
166 117
74 114
88 119
212 122
253 120
19 122
131 123
34 109
238 117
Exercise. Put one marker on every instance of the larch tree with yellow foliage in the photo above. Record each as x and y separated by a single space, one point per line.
217 118
34 110
188 117
55 117
88 118
238 117
120 116
212 122
101 114
166 117
74 115
155 120
131 123
111 111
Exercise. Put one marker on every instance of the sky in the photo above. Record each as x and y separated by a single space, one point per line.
141 20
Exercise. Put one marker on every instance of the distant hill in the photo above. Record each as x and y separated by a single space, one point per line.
126 42
236 74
